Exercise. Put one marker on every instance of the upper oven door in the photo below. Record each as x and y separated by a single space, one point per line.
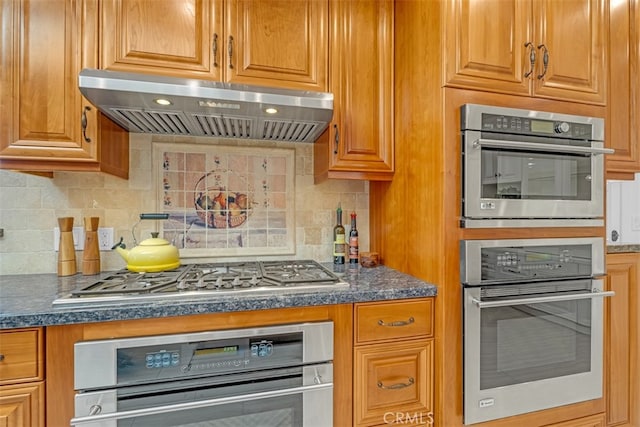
514 179
520 164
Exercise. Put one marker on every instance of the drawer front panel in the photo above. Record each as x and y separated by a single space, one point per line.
397 320
20 356
393 378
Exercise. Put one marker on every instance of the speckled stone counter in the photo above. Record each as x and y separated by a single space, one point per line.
613 249
26 300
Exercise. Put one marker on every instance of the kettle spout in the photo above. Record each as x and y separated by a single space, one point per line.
121 248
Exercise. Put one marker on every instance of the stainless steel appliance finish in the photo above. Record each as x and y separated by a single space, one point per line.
206 280
269 376
524 168
533 324
206 108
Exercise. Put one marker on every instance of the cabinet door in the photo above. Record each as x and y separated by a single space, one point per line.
171 37
573 35
282 43
22 405
41 107
359 143
622 386
486 45
393 379
623 106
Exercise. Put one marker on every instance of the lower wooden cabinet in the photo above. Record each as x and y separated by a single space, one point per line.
393 359
22 405
597 420
622 341
22 387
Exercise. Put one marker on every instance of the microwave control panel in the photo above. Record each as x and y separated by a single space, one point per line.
531 126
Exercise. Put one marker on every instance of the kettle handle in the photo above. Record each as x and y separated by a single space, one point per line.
120 244
154 216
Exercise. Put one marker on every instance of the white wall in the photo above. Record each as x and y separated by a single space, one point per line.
623 211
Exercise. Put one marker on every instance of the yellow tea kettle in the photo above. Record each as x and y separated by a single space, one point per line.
151 255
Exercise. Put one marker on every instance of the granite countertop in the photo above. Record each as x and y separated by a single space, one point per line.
26 300
612 249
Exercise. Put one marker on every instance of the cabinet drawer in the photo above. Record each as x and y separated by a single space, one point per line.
393 378
386 321
21 355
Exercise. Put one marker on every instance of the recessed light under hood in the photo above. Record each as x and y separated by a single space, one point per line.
206 108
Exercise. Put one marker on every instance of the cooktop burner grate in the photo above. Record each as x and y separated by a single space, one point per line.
206 279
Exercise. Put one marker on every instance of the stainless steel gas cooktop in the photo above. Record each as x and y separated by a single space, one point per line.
206 280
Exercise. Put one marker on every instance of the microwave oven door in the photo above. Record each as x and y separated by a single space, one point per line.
519 180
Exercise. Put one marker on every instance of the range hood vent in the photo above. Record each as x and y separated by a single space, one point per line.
206 108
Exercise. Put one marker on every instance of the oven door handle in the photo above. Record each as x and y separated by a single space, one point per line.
90 420
535 146
538 300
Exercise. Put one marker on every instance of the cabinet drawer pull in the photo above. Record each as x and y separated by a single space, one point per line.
1 357
336 138
397 323
215 50
396 386
532 57
83 122
230 51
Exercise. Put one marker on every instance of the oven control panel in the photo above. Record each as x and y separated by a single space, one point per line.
532 126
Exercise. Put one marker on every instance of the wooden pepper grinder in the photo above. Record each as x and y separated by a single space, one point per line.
66 249
91 254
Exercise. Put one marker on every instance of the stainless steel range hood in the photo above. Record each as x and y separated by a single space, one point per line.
206 108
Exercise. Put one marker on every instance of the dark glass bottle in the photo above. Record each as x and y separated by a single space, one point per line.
339 242
353 240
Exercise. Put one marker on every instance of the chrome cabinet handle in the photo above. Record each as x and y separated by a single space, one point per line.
336 138
536 146
397 323
83 122
532 58
545 60
215 50
396 386
230 51
538 300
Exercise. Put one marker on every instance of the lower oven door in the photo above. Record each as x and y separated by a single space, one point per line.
523 354
291 397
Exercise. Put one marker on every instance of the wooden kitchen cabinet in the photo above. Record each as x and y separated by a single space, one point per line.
359 141
489 46
623 106
393 362
22 377
622 340
268 43
45 123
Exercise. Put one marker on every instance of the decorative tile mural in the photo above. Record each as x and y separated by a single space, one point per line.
226 200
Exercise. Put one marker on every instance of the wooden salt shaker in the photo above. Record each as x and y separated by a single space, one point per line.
91 254
66 249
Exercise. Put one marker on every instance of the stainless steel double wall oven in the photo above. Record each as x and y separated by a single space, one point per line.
533 307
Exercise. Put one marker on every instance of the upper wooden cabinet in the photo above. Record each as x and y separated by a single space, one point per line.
359 142
45 123
623 107
272 43
490 45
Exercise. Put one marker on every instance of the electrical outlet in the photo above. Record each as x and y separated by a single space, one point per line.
78 238
105 238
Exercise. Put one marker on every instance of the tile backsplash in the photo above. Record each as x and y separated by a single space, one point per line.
30 206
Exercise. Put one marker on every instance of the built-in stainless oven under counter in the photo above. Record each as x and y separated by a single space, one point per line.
271 376
533 324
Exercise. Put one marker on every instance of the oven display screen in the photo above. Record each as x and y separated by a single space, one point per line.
227 350
542 127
